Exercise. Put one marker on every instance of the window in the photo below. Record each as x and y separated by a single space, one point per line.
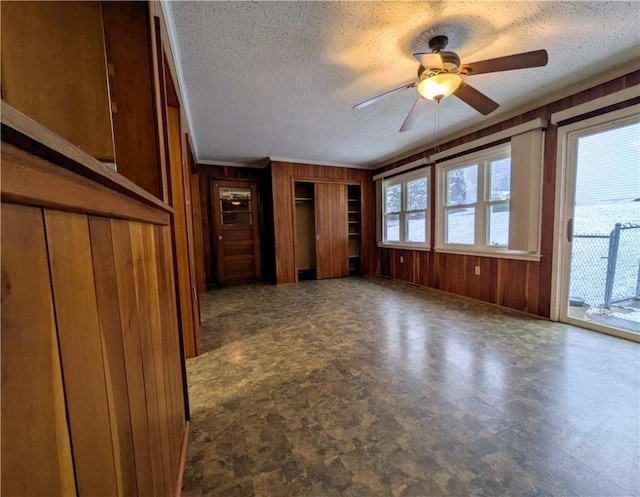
476 198
405 210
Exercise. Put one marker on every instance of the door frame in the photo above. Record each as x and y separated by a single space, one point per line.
564 205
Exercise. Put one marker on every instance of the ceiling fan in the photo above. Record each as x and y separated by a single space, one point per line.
440 75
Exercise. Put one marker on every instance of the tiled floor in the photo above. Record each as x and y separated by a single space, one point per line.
367 387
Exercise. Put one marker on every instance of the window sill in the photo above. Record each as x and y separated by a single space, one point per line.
405 246
503 254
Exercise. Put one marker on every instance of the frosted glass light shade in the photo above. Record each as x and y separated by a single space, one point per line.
439 86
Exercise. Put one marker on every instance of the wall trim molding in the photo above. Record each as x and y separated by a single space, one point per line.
405 167
177 62
257 164
485 140
316 163
596 104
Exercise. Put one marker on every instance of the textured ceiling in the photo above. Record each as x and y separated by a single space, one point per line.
279 79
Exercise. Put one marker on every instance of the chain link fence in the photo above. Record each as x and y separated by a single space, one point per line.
605 268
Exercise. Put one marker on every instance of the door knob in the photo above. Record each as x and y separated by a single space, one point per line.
219 237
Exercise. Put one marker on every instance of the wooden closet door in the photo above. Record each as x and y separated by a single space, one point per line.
332 237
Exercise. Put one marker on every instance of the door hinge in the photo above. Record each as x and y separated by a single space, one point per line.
570 230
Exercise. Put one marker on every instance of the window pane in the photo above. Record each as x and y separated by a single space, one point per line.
416 231
392 227
393 195
417 194
235 193
498 225
235 205
462 185
236 218
500 183
235 199
460 226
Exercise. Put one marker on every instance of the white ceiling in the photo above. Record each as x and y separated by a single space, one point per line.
279 79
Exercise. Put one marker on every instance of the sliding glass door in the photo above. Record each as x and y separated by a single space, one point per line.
600 222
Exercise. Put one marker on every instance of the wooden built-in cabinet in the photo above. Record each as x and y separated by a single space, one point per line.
99 297
94 399
320 201
327 229
98 74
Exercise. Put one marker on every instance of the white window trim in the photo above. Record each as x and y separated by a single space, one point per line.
423 172
481 206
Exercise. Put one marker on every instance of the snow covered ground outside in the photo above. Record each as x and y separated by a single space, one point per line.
589 255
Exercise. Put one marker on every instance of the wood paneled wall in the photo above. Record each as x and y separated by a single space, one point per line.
521 285
93 386
54 52
282 176
128 45
207 174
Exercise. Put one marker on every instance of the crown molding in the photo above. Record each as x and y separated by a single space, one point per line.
255 164
319 163
177 62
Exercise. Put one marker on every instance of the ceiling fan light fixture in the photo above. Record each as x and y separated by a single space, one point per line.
439 86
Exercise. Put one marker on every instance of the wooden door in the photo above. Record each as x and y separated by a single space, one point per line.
236 241
332 237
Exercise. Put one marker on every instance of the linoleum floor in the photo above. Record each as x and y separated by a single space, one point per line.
368 387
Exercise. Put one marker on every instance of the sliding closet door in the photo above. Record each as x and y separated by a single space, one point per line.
332 235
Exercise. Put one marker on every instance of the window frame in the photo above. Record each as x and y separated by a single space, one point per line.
403 180
482 205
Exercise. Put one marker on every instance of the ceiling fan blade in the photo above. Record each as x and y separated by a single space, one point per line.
429 60
384 95
518 61
413 115
474 98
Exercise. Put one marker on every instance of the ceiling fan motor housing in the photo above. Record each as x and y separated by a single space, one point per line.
438 43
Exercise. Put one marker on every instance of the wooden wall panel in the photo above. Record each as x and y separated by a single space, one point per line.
169 449
132 352
521 285
106 413
53 52
206 175
127 41
115 369
182 256
282 175
188 205
159 457
36 449
175 375
196 207
80 338
283 225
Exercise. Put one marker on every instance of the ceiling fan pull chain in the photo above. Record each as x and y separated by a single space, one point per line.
437 133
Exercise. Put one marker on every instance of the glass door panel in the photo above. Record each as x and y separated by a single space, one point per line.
602 276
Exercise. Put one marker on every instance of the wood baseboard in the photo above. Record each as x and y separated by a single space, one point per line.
183 457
